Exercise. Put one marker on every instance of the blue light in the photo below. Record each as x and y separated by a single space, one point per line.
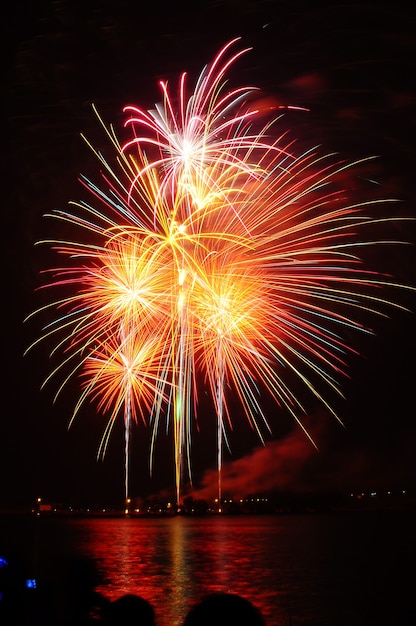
3 562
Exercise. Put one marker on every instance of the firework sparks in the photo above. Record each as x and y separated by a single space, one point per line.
219 259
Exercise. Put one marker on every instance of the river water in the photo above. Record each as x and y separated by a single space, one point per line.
338 569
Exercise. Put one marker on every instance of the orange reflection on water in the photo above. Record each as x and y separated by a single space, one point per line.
173 562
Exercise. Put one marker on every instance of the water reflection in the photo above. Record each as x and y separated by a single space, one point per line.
299 570
182 581
174 562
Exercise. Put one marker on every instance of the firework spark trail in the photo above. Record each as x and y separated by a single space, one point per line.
220 258
121 376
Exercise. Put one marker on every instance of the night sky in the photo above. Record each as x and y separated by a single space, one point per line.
352 67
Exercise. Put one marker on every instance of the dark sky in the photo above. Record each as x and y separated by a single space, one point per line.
352 66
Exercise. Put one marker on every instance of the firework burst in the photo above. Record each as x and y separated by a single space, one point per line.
218 259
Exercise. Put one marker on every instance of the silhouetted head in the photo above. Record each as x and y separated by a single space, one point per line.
224 609
130 610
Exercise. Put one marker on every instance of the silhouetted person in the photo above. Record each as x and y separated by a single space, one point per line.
82 603
131 610
224 609
12 588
